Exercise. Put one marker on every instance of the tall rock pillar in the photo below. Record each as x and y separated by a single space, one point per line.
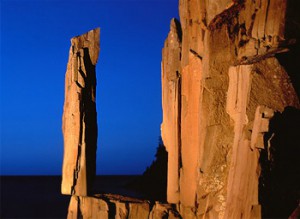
171 101
80 116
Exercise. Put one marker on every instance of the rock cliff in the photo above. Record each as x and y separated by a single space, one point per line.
230 98
80 116
223 79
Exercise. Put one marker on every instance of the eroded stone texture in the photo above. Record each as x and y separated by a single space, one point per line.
251 121
232 83
107 206
87 207
80 116
163 211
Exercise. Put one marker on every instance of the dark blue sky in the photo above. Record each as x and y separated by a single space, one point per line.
35 40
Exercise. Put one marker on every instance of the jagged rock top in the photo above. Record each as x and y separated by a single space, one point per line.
89 40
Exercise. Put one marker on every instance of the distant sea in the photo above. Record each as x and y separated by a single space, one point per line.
40 197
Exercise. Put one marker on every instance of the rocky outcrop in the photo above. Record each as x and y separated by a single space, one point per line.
118 207
222 82
229 88
80 116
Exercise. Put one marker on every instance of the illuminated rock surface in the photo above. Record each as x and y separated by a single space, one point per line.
218 100
80 116
118 207
171 101
228 85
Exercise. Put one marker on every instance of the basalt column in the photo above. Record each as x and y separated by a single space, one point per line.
80 116
171 101
237 70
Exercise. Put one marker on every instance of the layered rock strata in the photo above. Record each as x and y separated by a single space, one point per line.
80 116
222 82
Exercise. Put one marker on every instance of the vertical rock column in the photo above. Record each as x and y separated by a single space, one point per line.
244 162
190 129
80 116
171 101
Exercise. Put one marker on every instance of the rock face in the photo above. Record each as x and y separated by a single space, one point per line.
231 115
80 116
223 80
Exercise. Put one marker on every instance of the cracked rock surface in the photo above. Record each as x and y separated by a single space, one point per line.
107 206
80 116
225 74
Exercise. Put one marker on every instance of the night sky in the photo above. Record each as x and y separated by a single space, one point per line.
35 41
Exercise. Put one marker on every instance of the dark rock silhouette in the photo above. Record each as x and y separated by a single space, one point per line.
153 183
280 178
154 179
